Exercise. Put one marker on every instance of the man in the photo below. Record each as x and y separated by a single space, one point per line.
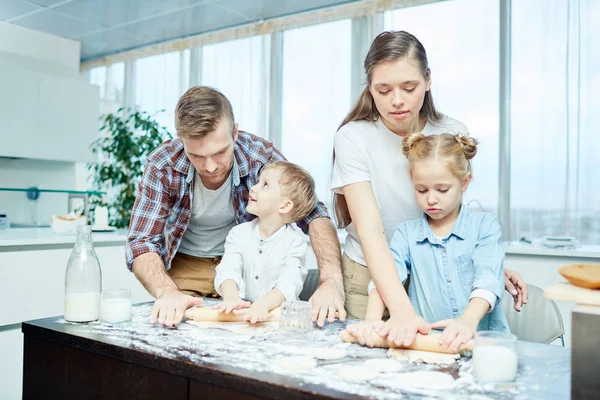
193 191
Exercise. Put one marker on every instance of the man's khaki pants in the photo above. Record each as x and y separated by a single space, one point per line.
356 281
194 275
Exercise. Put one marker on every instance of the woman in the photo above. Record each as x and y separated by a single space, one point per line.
373 192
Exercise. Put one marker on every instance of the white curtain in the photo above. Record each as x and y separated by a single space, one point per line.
239 69
555 139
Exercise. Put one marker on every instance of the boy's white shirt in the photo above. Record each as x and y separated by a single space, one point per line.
260 265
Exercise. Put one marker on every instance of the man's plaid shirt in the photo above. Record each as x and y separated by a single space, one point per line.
162 209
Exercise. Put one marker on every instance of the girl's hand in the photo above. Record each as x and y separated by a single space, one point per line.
457 331
256 313
363 331
230 304
402 331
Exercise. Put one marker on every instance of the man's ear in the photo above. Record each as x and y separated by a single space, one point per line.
466 182
235 133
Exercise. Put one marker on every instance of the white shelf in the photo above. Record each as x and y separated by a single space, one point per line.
46 236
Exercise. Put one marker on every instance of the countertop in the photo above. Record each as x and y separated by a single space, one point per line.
226 359
47 237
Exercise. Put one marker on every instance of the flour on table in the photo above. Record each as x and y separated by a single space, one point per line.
418 356
413 381
328 353
357 373
295 363
384 365
241 328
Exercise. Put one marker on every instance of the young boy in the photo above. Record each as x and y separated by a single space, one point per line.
264 259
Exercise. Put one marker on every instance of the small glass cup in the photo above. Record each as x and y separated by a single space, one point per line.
296 316
115 306
495 357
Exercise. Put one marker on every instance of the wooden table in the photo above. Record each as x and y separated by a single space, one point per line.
140 360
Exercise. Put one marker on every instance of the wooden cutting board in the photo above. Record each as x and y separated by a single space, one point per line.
582 275
565 291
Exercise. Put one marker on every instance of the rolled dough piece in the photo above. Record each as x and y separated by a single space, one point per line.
419 356
429 342
432 380
357 373
241 328
328 353
296 363
207 313
384 365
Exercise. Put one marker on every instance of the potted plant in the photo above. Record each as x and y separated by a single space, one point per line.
127 137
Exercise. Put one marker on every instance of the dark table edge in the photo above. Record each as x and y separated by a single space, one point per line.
257 383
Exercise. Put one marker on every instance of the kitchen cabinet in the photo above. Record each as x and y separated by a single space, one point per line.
32 286
47 117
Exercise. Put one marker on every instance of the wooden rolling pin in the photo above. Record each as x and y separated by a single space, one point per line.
208 314
430 342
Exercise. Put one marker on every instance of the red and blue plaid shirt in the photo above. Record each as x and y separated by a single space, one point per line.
162 210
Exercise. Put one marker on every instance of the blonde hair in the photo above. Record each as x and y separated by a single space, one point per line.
297 184
388 46
200 110
455 150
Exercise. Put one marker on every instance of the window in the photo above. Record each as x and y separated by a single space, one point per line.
554 142
112 82
316 96
159 82
461 41
239 69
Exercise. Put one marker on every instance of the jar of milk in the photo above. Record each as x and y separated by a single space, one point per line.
83 280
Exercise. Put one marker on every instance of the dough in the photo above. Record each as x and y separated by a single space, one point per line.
421 380
296 363
432 380
427 357
357 373
328 353
384 365
241 328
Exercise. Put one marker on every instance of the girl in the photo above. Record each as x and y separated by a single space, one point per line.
454 257
372 190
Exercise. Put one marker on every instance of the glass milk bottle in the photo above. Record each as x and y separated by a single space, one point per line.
83 280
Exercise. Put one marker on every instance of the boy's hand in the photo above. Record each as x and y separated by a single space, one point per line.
402 331
363 331
230 304
256 313
457 331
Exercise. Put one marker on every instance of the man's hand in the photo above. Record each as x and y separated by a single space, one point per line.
256 313
169 307
516 286
457 331
326 300
363 331
402 331
230 304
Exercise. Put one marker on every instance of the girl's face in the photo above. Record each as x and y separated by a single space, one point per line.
439 193
398 88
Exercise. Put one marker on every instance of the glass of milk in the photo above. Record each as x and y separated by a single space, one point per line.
495 357
115 306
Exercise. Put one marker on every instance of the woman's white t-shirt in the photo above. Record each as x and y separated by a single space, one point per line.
370 152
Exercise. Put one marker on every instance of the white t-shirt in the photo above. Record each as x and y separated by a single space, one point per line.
260 265
370 152
211 220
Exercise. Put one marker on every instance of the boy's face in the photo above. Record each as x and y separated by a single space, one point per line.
437 190
265 197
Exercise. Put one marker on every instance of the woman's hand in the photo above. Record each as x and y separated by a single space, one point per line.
403 330
363 331
230 304
516 286
457 331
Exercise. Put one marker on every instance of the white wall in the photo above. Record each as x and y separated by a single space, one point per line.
38 51
48 54
24 173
